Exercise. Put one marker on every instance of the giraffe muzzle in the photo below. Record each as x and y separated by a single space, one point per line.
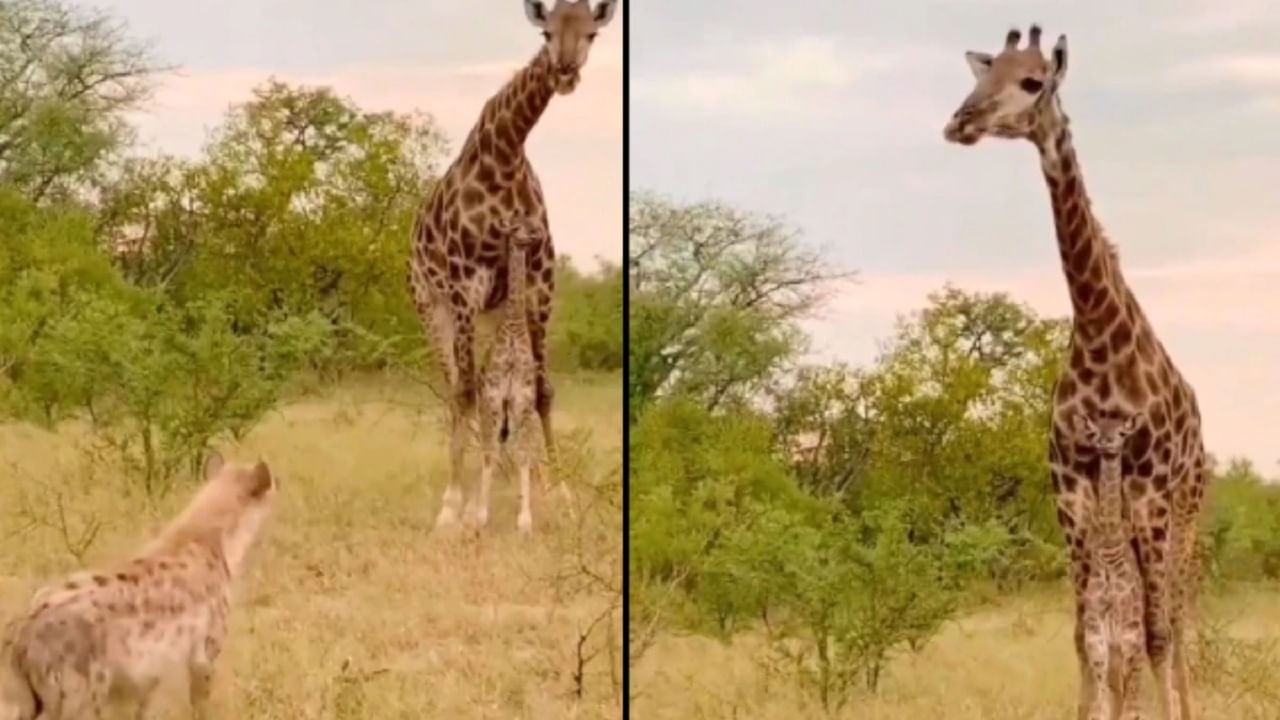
960 130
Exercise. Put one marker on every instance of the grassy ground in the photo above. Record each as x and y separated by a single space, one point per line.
1014 660
350 609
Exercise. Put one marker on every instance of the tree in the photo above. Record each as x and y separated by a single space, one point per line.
715 297
303 203
68 78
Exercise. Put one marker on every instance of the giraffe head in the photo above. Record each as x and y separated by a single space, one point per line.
569 29
524 231
1106 434
1016 91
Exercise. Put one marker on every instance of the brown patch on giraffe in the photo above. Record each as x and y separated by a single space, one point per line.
1121 336
1104 387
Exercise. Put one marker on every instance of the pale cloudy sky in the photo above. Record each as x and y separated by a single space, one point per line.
445 57
830 114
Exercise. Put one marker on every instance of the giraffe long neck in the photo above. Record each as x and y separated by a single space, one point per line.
1110 522
514 321
510 115
1091 269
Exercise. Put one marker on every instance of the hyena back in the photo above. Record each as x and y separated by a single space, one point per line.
119 632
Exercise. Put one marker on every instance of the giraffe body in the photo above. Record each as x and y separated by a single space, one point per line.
1116 366
1114 635
458 263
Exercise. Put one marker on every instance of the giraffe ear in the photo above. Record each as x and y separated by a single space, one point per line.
604 12
1058 60
1132 423
1081 423
536 12
979 63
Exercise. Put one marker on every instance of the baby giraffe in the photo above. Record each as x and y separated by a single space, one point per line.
508 387
1113 599
118 632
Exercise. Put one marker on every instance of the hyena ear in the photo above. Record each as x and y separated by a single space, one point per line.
262 480
212 464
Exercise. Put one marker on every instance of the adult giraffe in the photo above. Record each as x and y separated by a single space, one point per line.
457 269
1117 368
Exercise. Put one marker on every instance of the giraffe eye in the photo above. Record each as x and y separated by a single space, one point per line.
1031 85
591 37
546 36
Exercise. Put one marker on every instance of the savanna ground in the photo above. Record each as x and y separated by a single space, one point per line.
351 609
1012 659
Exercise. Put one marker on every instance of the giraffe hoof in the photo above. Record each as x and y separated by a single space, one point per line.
447 519
525 523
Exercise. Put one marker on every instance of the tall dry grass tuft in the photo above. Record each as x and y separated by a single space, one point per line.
1011 661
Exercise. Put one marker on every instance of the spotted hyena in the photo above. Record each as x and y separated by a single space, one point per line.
119 631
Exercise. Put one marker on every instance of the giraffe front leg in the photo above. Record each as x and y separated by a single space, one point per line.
489 421
1157 560
526 456
544 396
1097 652
1132 653
1190 567
462 407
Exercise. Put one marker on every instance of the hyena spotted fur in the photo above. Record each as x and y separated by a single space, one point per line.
117 633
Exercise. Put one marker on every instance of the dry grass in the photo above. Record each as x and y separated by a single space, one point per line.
1012 661
351 610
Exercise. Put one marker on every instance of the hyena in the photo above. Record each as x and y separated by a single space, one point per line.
118 632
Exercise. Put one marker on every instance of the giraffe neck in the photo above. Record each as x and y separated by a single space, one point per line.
510 115
515 322
1110 523
1091 268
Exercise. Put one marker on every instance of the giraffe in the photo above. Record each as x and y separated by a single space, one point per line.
458 258
1115 364
1113 605
508 385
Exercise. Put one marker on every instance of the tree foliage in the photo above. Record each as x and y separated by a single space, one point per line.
169 302
68 78
715 297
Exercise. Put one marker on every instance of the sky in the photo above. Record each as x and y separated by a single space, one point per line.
830 114
444 57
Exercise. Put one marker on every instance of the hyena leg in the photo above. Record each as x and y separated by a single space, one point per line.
77 700
201 683
146 696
